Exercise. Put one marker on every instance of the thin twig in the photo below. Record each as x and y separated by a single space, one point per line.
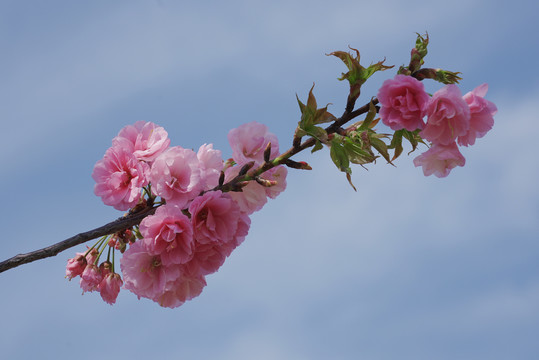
122 223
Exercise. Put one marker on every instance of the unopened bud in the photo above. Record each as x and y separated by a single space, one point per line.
443 76
296 142
222 178
302 165
238 187
228 164
267 152
246 168
265 182
105 267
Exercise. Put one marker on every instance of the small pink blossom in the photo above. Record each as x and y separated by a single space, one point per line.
109 287
119 178
211 164
168 233
76 266
440 159
175 176
145 140
482 112
144 274
92 255
448 116
90 278
403 103
248 142
105 268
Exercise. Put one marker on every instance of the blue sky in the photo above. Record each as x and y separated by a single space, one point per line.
407 267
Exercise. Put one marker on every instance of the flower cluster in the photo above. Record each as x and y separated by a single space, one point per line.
451 119
197 222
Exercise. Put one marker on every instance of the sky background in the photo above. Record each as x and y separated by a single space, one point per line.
407 267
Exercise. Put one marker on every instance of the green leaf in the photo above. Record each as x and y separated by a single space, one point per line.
316 132
357 153
339 156
366 124
414 139
396 143
357 74
381 147
379 66
311 115
301 105
349 178
317 146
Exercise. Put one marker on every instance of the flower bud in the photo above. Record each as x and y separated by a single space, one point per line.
302 165
267 152
246 168
75 266
265 182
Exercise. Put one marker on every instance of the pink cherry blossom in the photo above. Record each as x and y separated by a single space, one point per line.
109 287
175 176
215 217
119 178
210 256
91 255
403 103
211 164
144 274
481 111
76 266
177 292
105 268
448 116
145 140
168 233
440 159
248 142
90 278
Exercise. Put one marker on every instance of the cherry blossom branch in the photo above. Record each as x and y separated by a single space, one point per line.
361 152
132 219
125 222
